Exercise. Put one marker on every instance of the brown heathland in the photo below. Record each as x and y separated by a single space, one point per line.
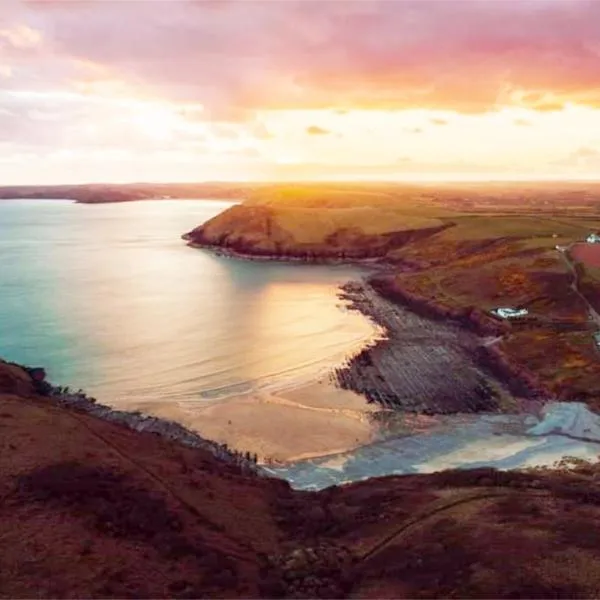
92 509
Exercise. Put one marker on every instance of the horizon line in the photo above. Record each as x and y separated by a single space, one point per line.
426 180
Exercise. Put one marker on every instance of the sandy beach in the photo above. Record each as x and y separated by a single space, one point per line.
411 365
312 420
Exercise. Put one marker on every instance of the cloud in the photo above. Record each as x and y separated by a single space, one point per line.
582 158
522 122
315 130
21 37
585 153
238 56
258 130
202 77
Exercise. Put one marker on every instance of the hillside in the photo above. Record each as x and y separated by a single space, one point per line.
92 509
109 193
299 222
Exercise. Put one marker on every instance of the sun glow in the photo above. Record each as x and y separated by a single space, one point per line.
157 123
170 141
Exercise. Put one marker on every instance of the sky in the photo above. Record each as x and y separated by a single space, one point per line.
188 90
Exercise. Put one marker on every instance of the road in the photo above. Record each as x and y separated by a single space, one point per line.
575 285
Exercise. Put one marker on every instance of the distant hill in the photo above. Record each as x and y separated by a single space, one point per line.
106 193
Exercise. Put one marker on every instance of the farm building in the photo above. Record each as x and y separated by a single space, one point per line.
510 313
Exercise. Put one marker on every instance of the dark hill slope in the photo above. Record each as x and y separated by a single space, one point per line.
92 509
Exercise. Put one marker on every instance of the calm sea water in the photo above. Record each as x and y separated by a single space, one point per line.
110 299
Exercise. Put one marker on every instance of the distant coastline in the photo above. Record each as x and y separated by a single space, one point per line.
113 193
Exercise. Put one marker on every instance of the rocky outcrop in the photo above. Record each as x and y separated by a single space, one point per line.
382 372
15 380
420 366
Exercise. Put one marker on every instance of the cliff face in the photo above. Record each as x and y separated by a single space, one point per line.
470 317
296 232
91 509
14 380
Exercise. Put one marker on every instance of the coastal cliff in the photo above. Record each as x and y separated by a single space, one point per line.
91 508
469 317
288 233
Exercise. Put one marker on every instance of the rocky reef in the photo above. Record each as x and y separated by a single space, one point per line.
420 365
433 359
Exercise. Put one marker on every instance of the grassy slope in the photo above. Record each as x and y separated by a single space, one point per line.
295 220
90 509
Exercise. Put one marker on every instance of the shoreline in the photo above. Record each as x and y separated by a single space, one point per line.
375 264
382 370
517 378
136 420
341 430
314 419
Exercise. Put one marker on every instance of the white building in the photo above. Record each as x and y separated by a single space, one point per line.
510 313
593 238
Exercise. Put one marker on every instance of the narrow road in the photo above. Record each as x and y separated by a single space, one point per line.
575 285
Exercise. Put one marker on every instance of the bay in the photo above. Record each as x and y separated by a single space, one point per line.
110 299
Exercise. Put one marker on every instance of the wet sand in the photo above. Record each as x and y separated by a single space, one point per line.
502 441
312 420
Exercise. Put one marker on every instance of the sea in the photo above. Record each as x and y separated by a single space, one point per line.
110 299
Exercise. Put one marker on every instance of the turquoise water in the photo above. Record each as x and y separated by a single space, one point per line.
110 299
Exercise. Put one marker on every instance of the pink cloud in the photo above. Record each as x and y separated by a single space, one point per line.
236 56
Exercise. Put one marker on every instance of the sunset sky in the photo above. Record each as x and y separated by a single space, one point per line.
176 90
